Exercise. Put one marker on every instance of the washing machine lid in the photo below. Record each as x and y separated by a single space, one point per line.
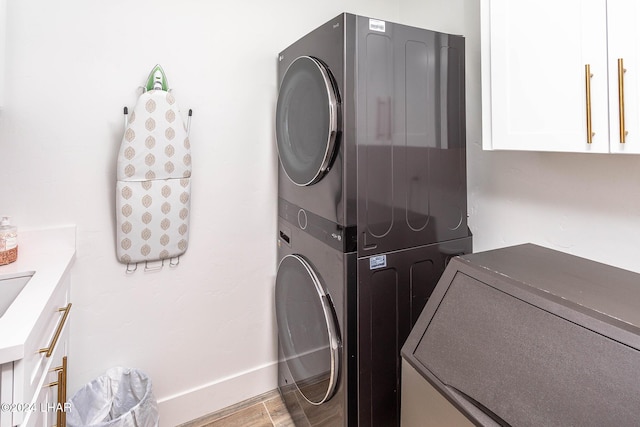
306 120
307 331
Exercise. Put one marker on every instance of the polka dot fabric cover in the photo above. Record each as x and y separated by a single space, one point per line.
154 182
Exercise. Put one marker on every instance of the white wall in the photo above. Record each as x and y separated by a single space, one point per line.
583 204
204 331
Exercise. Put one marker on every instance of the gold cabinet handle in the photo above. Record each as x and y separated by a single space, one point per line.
587 79
61 416
56 335
55 383
60 404
621 71
60 408
63 394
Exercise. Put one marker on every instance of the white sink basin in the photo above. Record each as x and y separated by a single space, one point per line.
10 287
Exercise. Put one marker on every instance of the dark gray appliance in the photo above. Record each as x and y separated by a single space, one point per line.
342 321
526 336
370 130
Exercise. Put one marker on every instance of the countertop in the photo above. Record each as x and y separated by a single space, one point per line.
49 253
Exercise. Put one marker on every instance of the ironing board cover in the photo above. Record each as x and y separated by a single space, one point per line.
153 182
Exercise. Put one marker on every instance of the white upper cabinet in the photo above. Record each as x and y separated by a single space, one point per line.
3 26
624 75
550 75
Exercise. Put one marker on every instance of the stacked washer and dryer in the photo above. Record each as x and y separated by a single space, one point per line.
370 129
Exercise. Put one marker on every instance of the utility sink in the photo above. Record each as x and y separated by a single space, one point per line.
10 288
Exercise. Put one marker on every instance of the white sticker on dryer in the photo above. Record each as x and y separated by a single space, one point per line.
376 25
379 261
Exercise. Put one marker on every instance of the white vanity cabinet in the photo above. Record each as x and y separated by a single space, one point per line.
40 377
35 326
35 385
550 75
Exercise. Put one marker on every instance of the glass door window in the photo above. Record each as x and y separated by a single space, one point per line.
308 335
306 120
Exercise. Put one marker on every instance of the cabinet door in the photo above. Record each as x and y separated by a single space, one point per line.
537 55
3 26
624 86
6 392
48 405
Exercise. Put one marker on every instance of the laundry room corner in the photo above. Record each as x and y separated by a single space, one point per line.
401 184
203 331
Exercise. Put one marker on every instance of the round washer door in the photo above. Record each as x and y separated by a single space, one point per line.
307 332
306 120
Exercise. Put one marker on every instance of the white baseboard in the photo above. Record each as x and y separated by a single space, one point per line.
195 403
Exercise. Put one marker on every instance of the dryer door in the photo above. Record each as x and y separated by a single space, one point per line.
308 333
306 120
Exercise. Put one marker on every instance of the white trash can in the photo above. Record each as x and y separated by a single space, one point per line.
122 397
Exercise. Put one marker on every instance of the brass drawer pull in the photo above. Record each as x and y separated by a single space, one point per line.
621 71
62 385
56 335
61 417
62 396
587 78
53 384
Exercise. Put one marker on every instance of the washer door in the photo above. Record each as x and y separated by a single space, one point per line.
306 120
308 334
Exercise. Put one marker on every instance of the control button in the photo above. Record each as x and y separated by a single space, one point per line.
302 219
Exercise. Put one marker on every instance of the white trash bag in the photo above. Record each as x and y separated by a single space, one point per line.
122 397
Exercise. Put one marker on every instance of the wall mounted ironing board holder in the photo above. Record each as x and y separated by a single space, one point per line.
153 180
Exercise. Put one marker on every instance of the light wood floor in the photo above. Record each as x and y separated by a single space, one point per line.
266 410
